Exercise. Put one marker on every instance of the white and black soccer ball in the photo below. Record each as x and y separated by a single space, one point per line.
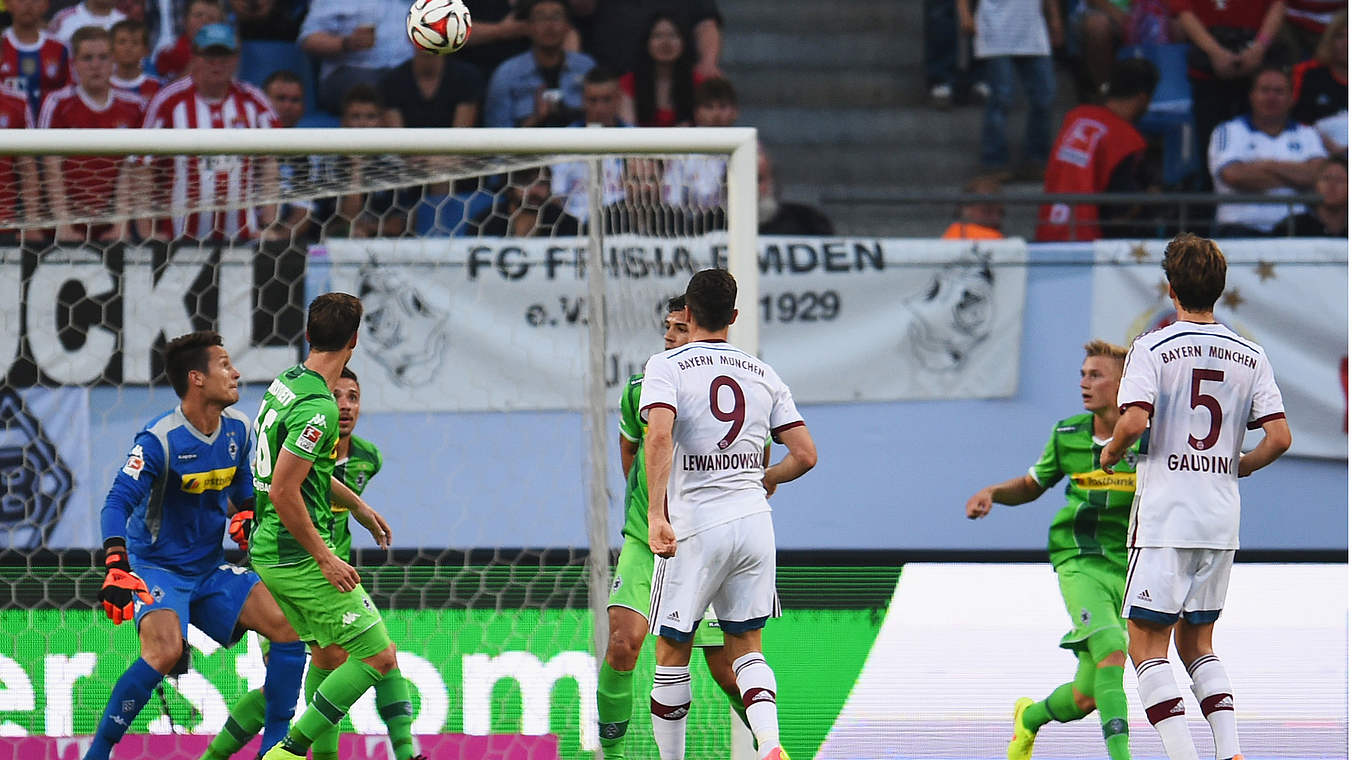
439 26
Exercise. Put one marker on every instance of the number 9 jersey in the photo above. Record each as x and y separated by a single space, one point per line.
727 403
1203 386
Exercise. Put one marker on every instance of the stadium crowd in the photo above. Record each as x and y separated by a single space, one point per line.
1267 80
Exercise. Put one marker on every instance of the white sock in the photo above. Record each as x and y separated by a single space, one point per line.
1165 709
755 680
1209 681
670 705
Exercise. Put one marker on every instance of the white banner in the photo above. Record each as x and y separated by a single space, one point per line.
477 325
1287 295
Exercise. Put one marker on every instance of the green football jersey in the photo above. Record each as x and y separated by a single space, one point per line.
355 471
634 429
299 414
1095 520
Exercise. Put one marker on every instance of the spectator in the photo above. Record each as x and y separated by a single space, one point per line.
617 26
432 91
777 217
544 86
1263 152
363 214
570 181
1305 22
501 35
701 181
643 209
286 96
89 185
100 13
1099 150
19 193
526 208
358 41
946 80
173 62
208 96
660 91
1320 86
279 20
1328 218
131 45
979 219
1011 36
1230 41
32 62
1150 22
1097 29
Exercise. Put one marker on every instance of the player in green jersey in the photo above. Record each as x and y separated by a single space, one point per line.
297 430
1086 544
630 595
357 461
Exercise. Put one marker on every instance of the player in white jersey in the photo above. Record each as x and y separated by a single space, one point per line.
709 408
1201 386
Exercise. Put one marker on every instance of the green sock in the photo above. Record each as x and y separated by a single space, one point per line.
1061 706
1113 705
326 745
394 707
243 722
614 700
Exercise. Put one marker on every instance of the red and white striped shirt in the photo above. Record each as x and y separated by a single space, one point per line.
1312 15
200 182
90 181
14 114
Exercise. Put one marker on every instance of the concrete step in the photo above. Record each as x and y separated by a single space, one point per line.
761 86
799 51
909 128
873 165
812 18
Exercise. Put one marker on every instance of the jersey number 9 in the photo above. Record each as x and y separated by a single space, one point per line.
738 414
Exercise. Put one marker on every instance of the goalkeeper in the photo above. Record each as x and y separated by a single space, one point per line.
630 597
1086 544
163 517
357 461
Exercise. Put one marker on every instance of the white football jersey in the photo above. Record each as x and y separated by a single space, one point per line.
727 403
1204 386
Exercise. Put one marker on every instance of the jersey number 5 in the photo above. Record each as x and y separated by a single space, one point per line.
264 467
1207 401
738 414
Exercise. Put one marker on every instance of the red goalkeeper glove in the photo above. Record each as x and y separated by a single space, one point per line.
121 586
240 527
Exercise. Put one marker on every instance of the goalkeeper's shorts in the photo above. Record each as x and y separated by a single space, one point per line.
211 601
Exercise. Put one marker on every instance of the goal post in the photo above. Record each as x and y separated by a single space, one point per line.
78 353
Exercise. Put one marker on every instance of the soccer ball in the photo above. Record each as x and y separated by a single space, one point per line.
439 26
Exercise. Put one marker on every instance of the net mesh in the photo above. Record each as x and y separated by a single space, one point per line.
473 358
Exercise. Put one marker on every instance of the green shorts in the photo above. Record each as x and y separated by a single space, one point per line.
323 614
632 589
1093 590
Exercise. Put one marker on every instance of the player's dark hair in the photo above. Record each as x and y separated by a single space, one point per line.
682 76
675 303
360 93
132 26
711 297
1196 270
715 90
282 75
1133 76
523 7
89 34
188 353
1264 70
332 320
348 374
601 75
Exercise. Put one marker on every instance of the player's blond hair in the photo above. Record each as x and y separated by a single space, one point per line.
1104 348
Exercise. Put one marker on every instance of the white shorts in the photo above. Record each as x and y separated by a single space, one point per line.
1167 584
729 566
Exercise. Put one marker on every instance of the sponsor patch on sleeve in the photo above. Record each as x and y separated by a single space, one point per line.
308 438
136 462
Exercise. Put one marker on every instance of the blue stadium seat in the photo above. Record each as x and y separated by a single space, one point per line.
443 215
260 58
1171 115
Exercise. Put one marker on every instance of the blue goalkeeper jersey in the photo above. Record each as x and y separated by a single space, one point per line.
170 499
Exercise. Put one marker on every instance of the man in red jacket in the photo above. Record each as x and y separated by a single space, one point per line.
1098 150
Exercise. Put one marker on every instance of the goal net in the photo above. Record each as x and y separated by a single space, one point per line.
512 280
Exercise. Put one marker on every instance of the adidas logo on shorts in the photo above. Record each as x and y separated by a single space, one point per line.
1144 596
674 617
